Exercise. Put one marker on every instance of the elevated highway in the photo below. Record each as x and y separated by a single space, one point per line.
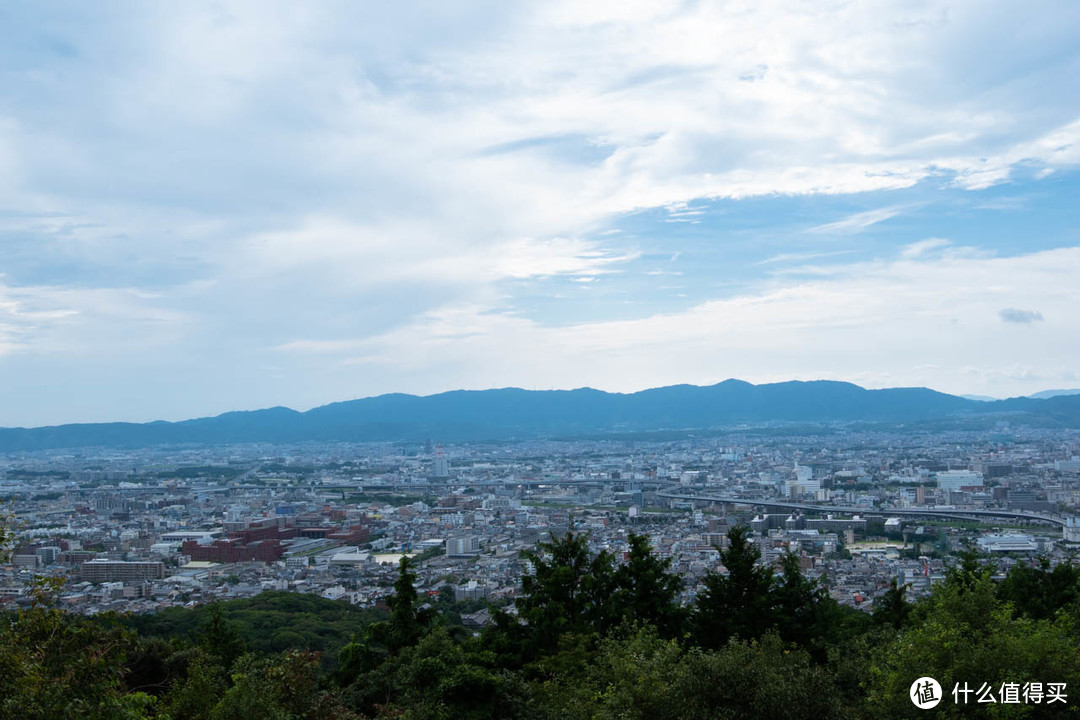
678 493
442 484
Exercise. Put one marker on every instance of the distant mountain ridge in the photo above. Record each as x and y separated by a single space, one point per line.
510 413
1047 394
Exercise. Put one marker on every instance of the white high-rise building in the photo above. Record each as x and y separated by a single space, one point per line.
1072 529
804 482
465 545
956 479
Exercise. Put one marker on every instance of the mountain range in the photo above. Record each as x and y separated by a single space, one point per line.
1046 394
512 413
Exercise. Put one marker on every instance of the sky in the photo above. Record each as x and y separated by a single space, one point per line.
213 206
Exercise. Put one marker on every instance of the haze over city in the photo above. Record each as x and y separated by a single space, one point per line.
206 208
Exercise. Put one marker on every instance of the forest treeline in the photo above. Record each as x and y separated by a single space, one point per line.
591 636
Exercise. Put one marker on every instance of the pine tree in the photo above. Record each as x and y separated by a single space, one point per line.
892 608
408 622
220 638
739 603
569 590
646 591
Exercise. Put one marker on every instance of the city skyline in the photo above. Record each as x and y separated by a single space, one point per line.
209 208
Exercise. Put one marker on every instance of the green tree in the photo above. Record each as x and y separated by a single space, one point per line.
220 637
195 697
568 591
970 572
632 674
962 634
802 611
738 604
57 666
641 676
1039 591
892 608
153 664
252 694
407 620
440 678
407 624
646 591
763 678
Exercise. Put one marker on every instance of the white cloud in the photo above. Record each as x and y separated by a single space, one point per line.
856 223
923 247
904 322
71 321
306 112
334 174
801 256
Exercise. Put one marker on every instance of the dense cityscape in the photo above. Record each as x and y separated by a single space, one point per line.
137 531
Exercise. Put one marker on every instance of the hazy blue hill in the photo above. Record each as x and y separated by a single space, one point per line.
515 413
1047 394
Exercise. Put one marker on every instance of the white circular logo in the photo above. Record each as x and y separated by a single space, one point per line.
925 693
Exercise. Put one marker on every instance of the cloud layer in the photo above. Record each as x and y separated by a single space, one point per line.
210 206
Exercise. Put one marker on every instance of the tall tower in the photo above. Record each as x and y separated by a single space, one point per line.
442 465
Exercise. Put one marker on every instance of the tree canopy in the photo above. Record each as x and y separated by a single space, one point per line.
591 635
